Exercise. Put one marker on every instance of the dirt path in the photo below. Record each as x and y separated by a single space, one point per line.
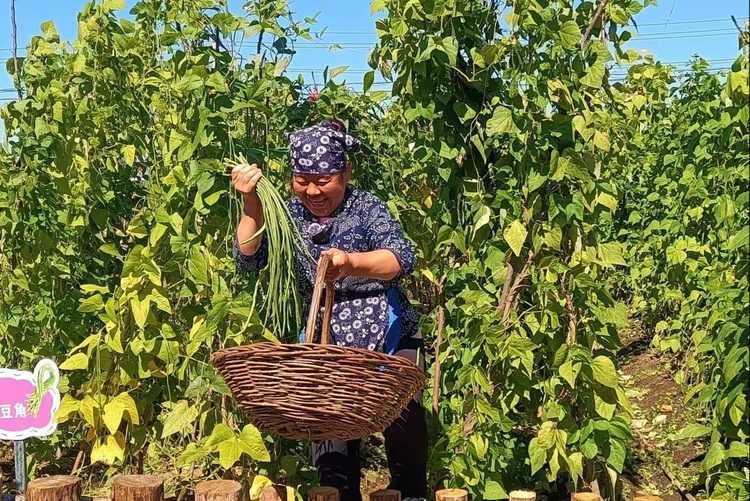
660 414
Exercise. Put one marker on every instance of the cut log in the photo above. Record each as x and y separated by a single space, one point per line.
274 493
138 488
323 494
522 495
452 495
585 496
386 495
55 488
218 490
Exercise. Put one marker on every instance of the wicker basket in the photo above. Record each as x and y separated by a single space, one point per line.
318 391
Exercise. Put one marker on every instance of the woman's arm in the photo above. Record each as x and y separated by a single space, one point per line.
250 222
380 264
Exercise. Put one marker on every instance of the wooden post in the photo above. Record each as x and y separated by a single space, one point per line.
386 495
55 488
452 495
274 493
323 494
585 496
647 498
138 488
522 495
218 490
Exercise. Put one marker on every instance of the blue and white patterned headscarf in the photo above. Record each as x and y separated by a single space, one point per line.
320 149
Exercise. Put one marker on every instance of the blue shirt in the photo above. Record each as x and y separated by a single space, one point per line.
367 313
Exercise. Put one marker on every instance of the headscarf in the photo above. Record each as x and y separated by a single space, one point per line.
321 149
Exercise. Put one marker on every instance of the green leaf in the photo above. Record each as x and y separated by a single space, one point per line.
463 112
575 467
121 406
692 431
569 371
714 457
501 122
610 253
537 455
253 445
368 81
737 450
570 34
604 371
140 308
280 66
128 154
91 304
338 70
594 76
192 454
616 456
198 268
515 234
229 453
376 6
547 435
739 240
180 419
493 490
79 361
482 218
618 14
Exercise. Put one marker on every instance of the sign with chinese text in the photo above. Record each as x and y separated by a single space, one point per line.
29 401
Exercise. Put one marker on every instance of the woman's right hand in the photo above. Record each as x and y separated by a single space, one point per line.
245 179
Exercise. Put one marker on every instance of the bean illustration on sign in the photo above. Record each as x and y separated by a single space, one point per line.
29 401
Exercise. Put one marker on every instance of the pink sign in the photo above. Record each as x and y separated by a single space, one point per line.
29 401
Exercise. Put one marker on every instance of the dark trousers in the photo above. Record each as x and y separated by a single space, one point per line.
405 447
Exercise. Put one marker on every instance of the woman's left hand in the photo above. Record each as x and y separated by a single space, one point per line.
339 265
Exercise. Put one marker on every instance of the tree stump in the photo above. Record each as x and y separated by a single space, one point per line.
452 495
138 488
386 495
522 495
55 488
218 490
585 496
323 494
274 493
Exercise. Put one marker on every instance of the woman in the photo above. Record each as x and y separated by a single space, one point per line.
369 255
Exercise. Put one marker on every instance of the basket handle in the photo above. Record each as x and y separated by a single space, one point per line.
312 316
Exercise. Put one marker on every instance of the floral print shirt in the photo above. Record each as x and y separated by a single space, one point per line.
367 313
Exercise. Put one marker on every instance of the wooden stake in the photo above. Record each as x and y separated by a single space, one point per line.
218 490
386 495
522 495
452 495
138 488
585 496
274 493
55 488
323 494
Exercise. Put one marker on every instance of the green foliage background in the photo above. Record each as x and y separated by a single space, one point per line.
550 208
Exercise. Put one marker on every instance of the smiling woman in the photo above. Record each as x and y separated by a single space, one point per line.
369 256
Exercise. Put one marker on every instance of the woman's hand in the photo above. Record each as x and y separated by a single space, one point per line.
339 265
245 179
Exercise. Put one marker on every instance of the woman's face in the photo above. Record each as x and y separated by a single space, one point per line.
321 193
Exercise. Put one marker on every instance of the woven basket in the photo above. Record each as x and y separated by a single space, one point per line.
318 391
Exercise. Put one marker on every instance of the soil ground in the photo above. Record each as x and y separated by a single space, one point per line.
659 414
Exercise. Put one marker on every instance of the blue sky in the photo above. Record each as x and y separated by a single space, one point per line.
673 31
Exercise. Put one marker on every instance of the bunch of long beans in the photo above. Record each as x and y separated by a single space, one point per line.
282 302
